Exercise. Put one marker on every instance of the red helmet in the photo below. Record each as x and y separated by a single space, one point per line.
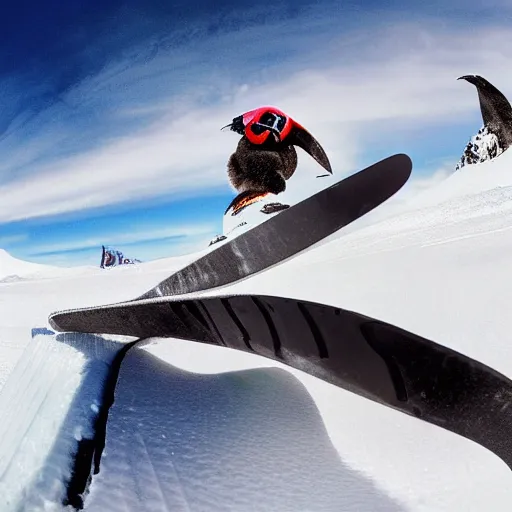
260 124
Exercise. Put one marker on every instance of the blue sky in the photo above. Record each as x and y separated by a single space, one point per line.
111 111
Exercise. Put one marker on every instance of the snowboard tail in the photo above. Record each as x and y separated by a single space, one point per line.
368 357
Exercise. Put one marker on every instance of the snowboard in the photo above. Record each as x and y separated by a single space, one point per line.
291 231
371 358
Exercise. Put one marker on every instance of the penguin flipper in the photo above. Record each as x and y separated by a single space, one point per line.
303 139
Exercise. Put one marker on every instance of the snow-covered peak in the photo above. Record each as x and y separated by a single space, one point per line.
482 147
496 134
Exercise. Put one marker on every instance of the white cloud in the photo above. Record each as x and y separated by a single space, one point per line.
12 239
404 77
138 235
162 248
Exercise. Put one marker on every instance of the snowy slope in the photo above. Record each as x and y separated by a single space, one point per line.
471 180
245 440
12 269
441 270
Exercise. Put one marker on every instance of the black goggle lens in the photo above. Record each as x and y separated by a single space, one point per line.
269 120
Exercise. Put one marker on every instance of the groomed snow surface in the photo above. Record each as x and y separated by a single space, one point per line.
200 428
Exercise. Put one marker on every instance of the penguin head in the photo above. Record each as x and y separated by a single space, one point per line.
263 126
271 127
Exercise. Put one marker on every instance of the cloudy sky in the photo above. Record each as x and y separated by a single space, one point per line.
111 111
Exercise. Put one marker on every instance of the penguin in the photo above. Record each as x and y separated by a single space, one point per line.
497 118
265 157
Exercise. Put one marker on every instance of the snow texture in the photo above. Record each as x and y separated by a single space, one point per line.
204 420
246 440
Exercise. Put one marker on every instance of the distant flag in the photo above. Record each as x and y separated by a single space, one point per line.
111 258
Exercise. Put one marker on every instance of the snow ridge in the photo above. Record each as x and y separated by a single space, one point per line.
13 269
51 403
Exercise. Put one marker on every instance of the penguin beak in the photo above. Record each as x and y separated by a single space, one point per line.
237 125
300 137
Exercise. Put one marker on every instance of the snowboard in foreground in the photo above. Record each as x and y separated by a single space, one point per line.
365 356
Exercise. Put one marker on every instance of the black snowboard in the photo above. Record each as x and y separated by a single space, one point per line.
371 358
291 231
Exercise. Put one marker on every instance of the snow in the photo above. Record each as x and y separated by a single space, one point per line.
234 431
471 180
12 269
42 423
220 450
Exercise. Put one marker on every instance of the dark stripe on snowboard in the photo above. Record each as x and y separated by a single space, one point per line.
371 358
323 351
